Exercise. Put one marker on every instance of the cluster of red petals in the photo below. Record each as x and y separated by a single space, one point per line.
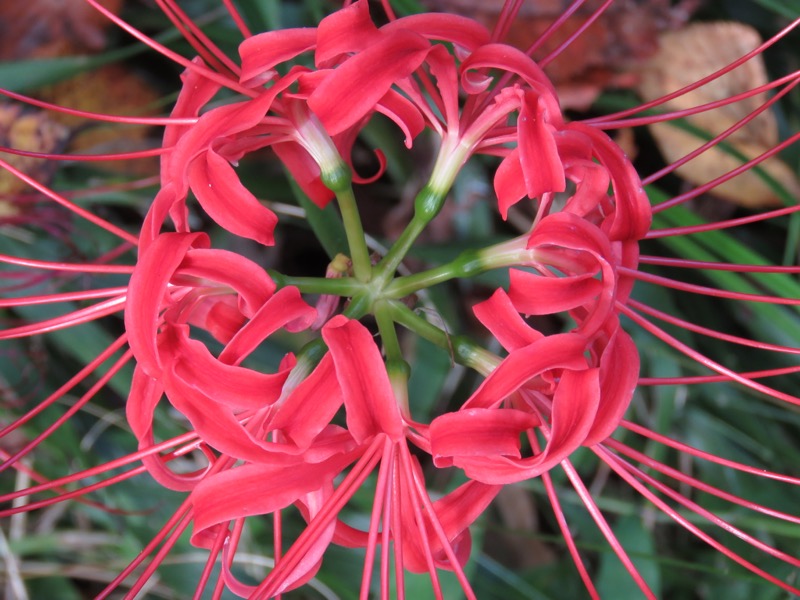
274 440
287 450
574 387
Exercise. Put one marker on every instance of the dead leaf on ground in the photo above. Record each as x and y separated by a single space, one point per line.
51 28
599 57
47 28
31 131
689 55
114 89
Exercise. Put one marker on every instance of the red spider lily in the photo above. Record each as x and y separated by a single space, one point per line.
308 434
427 535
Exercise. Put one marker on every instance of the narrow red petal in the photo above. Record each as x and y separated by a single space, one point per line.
561 351
355 87
368 395
146 292
499 316
228 202
261 53
345 32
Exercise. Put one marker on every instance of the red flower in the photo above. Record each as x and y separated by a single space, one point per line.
177 282
427 535
319 432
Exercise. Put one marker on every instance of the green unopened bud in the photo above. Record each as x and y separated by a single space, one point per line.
473 356
399 371
336 175
429 202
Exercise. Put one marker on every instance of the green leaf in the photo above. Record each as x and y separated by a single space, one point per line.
324 222
613 580
786 8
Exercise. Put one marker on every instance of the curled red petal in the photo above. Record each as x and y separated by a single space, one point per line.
260 489
219 316
403 112
560 351
632 218
284 309
465 32
454 512
361 372
443 67
146 291
261 53
355 87
543 295
591 188
542 169
168 197
142 401
574 407
344 32
508 58
196 91
228 202
580 249
509 182
222 122
217 425
144 396
499 316
479 432
236 388
250 281
310 407
567 230
619 374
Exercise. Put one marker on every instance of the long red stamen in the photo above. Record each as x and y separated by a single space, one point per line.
689 326
133 155
707 291
563 526
93 116
703 360
700 82
71 319
173 56
630 475
543 62
81 212
605 528
198 40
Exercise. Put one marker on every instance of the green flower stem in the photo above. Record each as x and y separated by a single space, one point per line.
345 286
467 264
396 367
391 345
359 253
463 350
307 359
309 355
429 202
427 205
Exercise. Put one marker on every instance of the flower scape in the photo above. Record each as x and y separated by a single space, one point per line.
579 332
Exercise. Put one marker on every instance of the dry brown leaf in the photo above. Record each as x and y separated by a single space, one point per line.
599 57
46 28
31 131
49 28
690 54
114 89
